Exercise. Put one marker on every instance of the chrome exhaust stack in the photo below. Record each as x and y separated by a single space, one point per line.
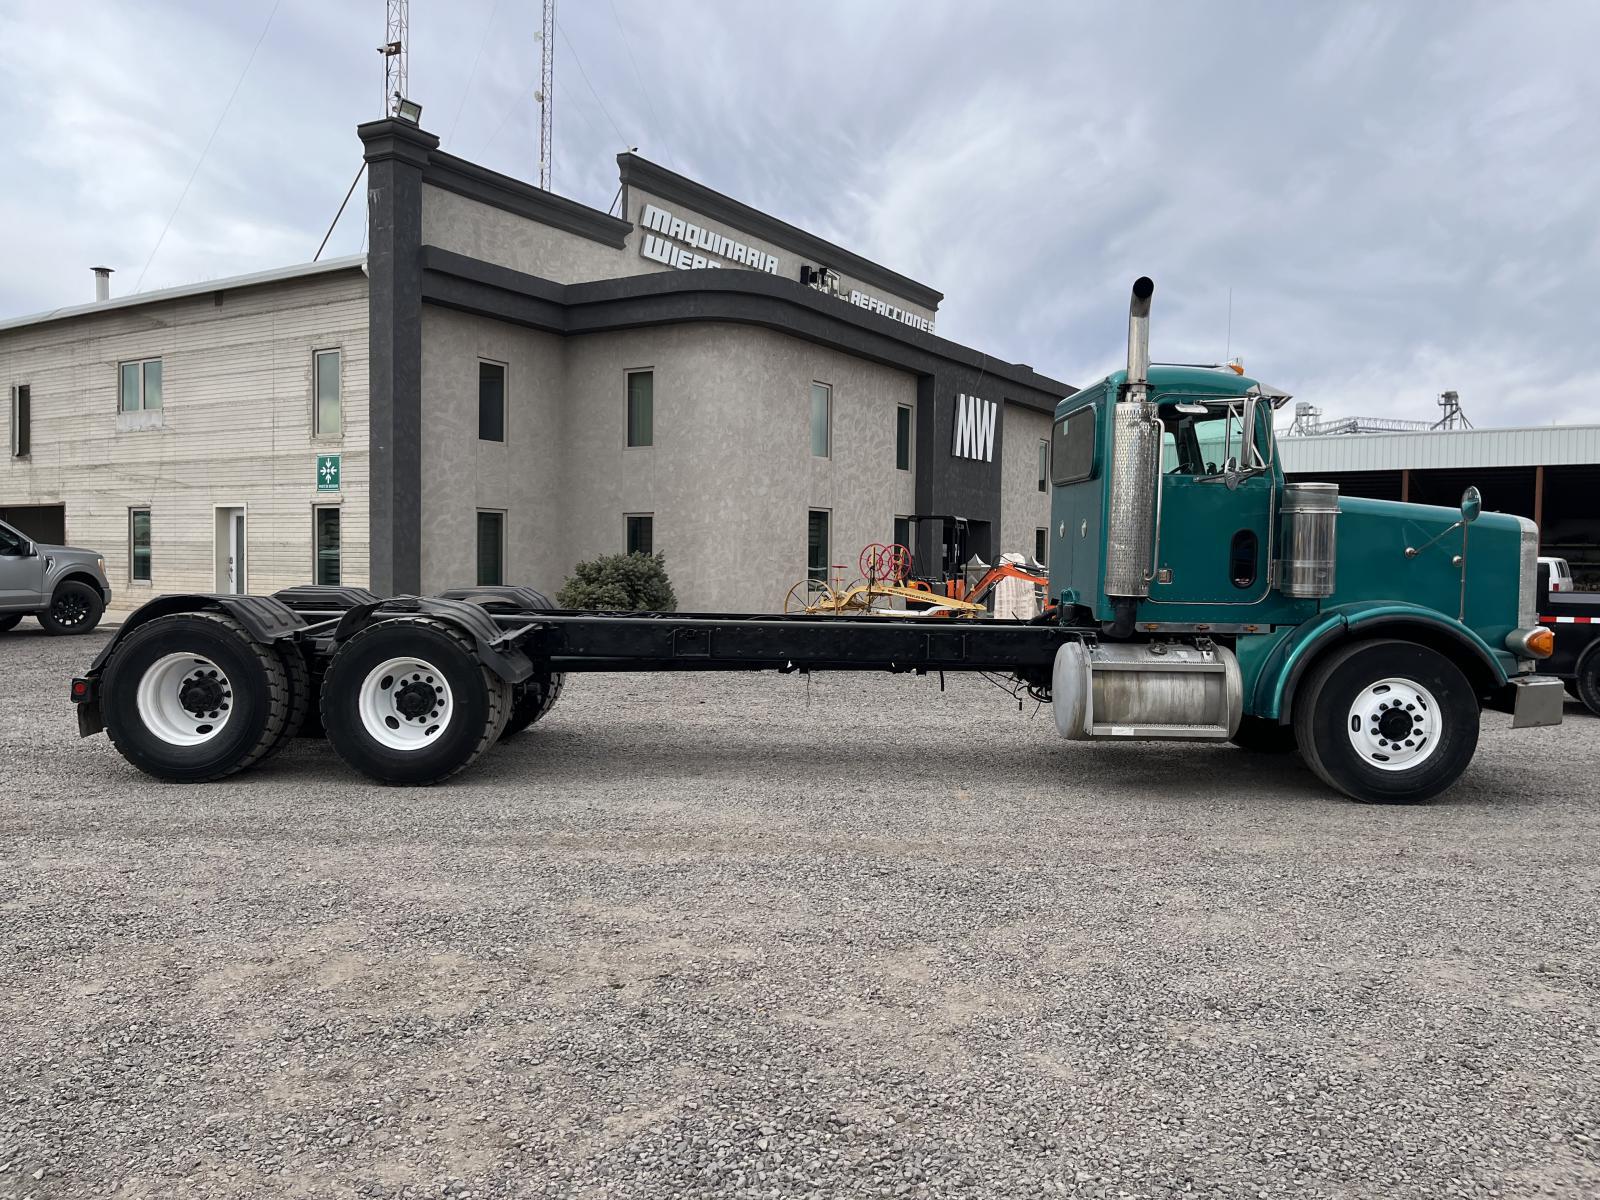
1135 450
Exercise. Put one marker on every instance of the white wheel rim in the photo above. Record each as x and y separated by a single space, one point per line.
185 700
391 702
1394 724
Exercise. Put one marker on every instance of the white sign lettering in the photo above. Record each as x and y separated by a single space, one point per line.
893 312
975 420
713 246
702 247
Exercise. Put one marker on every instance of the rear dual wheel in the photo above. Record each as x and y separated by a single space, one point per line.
530 701
193 697
406 701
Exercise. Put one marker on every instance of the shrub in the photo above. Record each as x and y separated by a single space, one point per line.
625 582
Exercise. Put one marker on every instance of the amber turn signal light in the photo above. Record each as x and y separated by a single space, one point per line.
1531 643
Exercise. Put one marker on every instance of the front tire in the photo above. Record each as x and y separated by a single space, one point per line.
1387 722
193 697
406 701
75 607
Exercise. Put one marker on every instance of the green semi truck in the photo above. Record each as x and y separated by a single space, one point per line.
1196 596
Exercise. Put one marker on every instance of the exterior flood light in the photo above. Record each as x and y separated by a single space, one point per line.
408 111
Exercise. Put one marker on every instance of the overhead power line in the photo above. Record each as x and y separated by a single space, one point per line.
621 140
644 92
214 129
472 74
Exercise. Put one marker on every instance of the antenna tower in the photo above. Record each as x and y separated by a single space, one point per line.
545 95
397 33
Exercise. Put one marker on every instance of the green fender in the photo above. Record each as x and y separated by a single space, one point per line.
1279 671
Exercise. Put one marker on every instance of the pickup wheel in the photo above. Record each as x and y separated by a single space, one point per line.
406 701
530 701
1387 722
1586 683
1263 735
75 607
193 697
8 623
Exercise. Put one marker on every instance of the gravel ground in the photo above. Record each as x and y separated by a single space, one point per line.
750 936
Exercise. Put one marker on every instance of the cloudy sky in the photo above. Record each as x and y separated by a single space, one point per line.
1402 198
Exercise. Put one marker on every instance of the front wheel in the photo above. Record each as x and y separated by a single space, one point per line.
1387 722
406 701
75 607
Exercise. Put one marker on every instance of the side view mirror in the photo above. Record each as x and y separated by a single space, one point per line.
1471 505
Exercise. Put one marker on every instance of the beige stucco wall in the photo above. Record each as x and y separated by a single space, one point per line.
729 479
461 474
1023 507
235 429
482 231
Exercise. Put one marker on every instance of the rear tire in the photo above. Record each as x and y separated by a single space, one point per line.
1263 735
530 701
8 623
1587 681
298 676
193 697
406 701
1387 722
75 607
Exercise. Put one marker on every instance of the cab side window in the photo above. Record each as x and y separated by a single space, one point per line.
1072 445
10 544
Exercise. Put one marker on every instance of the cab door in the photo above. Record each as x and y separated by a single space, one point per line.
21 571
1217 499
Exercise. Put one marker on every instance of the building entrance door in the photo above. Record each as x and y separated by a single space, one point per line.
230 543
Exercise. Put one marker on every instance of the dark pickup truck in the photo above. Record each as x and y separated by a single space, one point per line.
1575 620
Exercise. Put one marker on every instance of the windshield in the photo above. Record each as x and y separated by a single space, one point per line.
1203 443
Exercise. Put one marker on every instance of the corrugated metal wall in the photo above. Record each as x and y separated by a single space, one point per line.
1547 446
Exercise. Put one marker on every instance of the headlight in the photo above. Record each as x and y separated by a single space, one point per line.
1528 576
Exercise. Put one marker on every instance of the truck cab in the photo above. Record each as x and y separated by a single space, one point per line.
1173 531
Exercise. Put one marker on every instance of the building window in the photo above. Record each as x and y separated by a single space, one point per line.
141 385
817 544
902 532
327 404
641 408
491 402
21 421
325 522
641 533
1044 466
491 547
902 437
139 545
821 418
1041 547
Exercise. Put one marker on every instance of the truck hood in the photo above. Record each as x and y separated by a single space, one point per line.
66 551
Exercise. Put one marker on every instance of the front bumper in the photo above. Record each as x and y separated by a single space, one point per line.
1532 700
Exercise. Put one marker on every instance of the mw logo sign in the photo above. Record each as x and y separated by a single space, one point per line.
975 419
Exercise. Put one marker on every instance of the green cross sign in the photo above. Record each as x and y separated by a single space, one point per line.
327 472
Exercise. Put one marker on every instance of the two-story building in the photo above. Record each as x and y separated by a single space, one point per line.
509 382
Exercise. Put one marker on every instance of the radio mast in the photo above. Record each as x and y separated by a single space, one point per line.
545 95
397 33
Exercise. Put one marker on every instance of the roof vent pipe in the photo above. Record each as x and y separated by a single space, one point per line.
102 284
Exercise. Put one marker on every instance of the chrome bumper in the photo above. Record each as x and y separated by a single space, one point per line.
1536 700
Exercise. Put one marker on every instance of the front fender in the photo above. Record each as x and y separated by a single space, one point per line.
1285 667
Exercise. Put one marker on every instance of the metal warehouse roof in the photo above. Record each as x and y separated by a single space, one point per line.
202 288
1535 446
